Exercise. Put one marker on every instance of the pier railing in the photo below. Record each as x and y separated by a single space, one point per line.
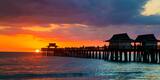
135 54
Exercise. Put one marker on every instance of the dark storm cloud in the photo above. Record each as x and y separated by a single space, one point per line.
93 12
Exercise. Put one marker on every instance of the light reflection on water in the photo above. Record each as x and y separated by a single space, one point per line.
36 67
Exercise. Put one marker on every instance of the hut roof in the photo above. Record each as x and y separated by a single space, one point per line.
146 37
120 38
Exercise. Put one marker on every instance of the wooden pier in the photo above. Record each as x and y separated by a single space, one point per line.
121 48
118 55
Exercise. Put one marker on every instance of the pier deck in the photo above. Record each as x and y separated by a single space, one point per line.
119 55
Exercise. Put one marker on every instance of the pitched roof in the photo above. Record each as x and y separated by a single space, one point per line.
146 37
120 37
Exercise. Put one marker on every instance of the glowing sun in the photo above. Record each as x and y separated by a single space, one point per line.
37 50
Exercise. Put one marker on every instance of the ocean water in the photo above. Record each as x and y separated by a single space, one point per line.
32 66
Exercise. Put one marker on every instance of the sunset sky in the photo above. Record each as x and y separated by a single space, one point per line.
26 25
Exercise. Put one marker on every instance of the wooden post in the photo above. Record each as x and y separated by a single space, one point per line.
121 55
125 56
158 55
129 55
116 55
104 54
112 56
155 56
134 52
108 55
138 56
99 56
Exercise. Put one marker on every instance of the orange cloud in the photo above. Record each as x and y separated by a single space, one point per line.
41 28
52 27
4 27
